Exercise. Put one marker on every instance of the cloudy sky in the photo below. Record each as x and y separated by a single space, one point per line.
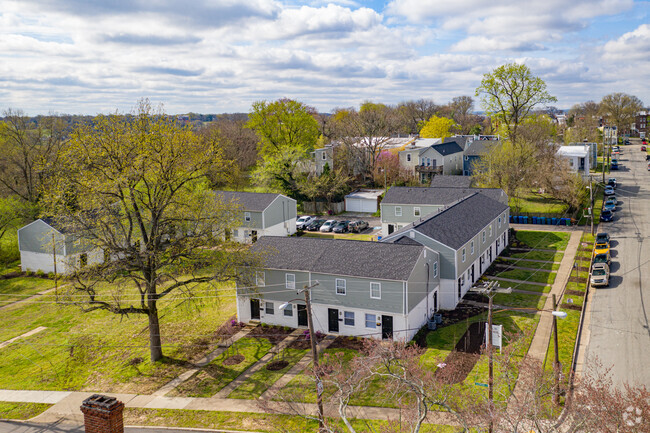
212 56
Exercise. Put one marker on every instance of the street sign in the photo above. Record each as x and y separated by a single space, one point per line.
497 335
485 385
319 387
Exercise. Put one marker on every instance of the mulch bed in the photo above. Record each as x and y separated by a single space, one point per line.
582 280
347 343
303 343
464 356
274 334
234 360
9 275
276 365
571 307
573 292
229 328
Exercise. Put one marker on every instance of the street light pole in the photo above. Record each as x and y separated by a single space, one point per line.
314 354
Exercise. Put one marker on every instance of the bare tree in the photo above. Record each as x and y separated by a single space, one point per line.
620 109
412 114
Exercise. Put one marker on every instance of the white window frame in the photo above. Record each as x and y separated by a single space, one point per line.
472 247
268 304
398 210
483 236
378 289
435 269
346 319
324 155
374 321
416 211
247 217
260 276
490 230
464 255
290 283
499 221
344 286
288 311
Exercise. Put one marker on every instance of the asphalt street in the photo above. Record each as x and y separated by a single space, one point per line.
619 335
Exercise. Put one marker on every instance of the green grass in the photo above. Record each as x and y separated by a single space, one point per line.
544 240
549 266
22 411
262 379
264 422
520 300
212 378
15 289
567 331
527 287
537 203
523 275
539 255
9 253
100 351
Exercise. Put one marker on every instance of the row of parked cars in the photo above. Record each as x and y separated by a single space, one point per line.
314 224
601 262
610 202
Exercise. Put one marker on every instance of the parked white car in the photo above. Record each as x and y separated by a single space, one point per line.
303 222
328 226
600 275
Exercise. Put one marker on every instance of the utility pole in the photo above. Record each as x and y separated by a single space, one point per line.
56 282
314 354
591 200
556 366
604 140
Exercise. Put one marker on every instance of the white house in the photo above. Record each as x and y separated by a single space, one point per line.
579 158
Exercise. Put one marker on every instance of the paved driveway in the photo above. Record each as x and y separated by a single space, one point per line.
619 332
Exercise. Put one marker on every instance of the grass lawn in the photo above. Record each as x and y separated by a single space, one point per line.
523 275
262 379
527 287
549 266
23 411
539 255
265 422
15 289
9 252
210 379
520 300
544 240
537 203
567 330
100 351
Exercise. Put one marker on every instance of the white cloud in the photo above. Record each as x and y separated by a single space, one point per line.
634 45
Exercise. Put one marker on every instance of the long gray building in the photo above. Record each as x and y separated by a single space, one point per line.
373 289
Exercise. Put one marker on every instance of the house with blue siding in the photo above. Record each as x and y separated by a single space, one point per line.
358 288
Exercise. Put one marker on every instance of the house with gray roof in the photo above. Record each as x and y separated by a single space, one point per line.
402 205
261 214
358 288
468 236
430 156
46 246
476 151
451 181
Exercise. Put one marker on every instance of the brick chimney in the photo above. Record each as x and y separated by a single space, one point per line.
103 414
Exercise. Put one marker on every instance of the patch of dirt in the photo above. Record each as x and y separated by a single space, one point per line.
464 356
9 275
234 360
583 268
274 334
228 328
582 280
571 307
276 365
303 343
463 312
574 292
346 343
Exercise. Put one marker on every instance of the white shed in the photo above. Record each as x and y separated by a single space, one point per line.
363 200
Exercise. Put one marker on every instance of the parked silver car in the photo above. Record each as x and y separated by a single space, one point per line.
328 226
600 275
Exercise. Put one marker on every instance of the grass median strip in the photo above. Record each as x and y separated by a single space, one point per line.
20 410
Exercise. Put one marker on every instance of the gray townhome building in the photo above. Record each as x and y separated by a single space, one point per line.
43 241
468 235
402 205
262 214
359 288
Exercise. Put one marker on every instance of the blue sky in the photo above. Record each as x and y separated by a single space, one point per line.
212 56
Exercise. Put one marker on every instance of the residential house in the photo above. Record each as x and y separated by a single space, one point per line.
477 149
43 242
579 158
468 235
262 214
322 157
363 200
357 288
403 205
641 123
428 156
451 181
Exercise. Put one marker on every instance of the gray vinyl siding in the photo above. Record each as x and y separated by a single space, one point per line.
447 255
481 247
37 238
358 293
417 282
388 212
254 223
275 288
279 211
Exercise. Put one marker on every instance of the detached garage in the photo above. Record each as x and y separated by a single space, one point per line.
363 200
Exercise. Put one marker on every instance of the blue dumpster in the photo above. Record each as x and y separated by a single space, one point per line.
525 219
568 221
554 221
534 220
512 219
544 220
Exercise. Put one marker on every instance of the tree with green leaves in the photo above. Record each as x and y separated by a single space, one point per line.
620 109
134 188
510 93
437 127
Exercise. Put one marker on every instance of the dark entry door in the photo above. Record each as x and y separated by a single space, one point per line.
333 320
386 327
391 228
473 273
302 315
435 301
254 236
255 309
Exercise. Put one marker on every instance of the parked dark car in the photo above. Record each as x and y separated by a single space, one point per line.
357 226
602 237
611 182
341 227
315 225
643 148
647 157
607 216
603 258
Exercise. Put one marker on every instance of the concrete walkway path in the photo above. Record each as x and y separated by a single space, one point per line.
201 362
223 393
25 335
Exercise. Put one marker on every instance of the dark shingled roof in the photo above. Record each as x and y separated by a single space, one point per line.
447 148
447 180
461 140
440 196
54 223
250 201
340 257
479 147
459 223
